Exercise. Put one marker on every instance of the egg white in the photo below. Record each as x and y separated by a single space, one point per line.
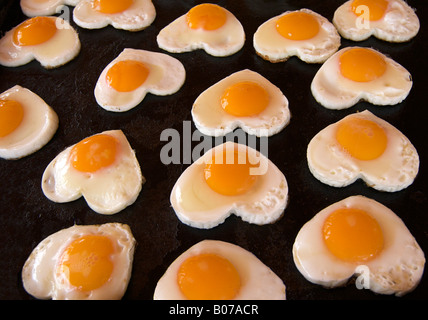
37 128
396 270
211 119
178 37
39 275
32 8
271 46
399 24
138 16
166 77
197 205
106 191
258 281
334 91
393 171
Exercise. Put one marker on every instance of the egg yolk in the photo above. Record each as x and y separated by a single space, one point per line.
111 6
87 262
297 25
245 99
361 138
93 153
352 235
230 175
127 75
206 16
11 115
34 31
362 65
208 277
376 8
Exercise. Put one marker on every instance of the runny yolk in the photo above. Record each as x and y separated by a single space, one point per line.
362 64
298 25
11 115
245 99
376 8
111 6
206 16
93 153
87 262
229 173
352 235
127 75
34 31
208 277
361 138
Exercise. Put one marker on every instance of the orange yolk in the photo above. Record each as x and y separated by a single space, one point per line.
111 6
298 26
352 235
87 262
34 31
208 277
245 99
206 16
93 153
362 65
11 115
376 8
361 138
230 176
127 75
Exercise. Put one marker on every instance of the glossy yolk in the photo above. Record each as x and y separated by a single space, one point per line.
298 26
361 138
11 115
362 65
127 75
229 173
34 31
87 262
111 6
376 8
244 99
93 153
352 235
206 16
208 277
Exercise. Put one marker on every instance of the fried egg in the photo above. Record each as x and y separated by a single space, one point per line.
359 236
244 99
206 26
102 168
302 33
388 20
91 262
354 74
126 80
32 8
130 15
51 41
230 178
364 146
27 123
218 270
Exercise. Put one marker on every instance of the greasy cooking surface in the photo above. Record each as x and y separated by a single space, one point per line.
27 216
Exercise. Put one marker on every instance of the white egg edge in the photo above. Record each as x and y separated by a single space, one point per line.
32 8
172 84
44 135
359 34
380 281
237 255
136 18
268 210
30 276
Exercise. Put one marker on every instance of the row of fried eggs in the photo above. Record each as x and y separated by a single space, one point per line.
204 186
